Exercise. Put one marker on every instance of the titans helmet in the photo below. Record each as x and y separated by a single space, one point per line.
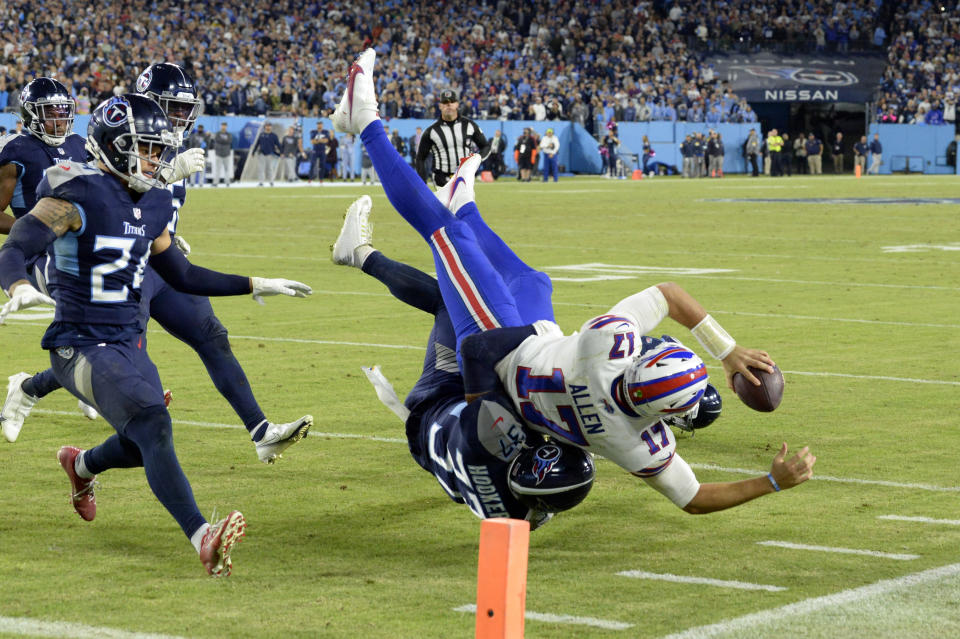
665 378
131 135
171 86
43 102
706 412
552 477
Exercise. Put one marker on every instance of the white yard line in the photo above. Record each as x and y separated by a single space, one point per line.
921 520
814 604
606 624
706 581
24 627
399 440
841 480
842 551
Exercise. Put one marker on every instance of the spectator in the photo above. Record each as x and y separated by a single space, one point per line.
800 154
952 151
611 142
715 155
751 151
550 147
774 145
348 145
318 142
333 156
498 145
836 151
222 156
876 154
523 154
267 153
814 151
860 155
291 148
367 174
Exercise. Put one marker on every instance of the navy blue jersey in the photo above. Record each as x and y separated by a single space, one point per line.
32 157
96 272
468 448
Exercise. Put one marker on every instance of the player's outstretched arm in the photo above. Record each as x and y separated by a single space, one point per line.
177 271
30 235
784 473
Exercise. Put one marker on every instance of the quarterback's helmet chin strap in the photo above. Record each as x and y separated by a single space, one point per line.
385 392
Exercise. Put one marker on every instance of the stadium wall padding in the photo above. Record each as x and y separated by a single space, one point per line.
920 148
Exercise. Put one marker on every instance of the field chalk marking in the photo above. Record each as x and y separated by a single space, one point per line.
725 469
842 551
814 604
566 619
680 579
921 520
25 627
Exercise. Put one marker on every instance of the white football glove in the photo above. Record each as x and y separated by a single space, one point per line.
263 287
24 296
181 244
184 165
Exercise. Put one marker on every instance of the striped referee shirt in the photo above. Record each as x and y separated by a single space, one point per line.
448 143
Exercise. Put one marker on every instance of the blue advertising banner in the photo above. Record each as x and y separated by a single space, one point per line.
766 77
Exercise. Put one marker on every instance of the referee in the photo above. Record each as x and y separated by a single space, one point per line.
449 140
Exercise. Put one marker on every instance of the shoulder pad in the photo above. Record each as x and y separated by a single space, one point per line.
62 172
498 427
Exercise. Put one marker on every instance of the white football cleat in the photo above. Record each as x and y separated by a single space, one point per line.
88 411
358 107
280 437
16 407
356 232
459 190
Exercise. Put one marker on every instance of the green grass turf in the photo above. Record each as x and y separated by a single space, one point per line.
349 538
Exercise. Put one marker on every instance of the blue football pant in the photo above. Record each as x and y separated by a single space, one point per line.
483 283
121 382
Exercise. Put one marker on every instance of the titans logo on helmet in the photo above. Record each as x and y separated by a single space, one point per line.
546 456
116 111
144 80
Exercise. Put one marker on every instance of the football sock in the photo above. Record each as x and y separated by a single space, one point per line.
80 467
361 253
197 538
41 384
259 430
406 283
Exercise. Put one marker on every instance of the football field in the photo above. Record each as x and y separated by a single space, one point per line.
852 286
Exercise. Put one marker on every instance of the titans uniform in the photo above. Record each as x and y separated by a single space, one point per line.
32 157
467 447
190 318
96 336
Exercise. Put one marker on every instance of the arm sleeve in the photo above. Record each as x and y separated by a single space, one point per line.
177 271
28 237
677 482
480 353
649 307
423 150
483 146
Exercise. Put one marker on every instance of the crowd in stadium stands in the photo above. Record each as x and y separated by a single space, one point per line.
591 62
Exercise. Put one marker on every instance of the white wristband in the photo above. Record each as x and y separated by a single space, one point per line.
713 338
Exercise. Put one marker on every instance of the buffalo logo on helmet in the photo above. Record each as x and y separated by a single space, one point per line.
144 80
116 111
544 459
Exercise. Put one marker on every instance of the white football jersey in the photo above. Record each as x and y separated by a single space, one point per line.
569 387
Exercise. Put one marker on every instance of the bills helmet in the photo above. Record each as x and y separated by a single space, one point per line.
47 109
131 135
706 411
666 378
172 87
551 477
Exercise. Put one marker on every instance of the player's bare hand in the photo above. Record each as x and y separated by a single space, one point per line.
741 359
796 470
264 287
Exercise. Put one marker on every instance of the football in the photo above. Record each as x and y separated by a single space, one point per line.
765 397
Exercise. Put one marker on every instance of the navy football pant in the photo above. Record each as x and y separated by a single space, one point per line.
121 382
191 320
483 283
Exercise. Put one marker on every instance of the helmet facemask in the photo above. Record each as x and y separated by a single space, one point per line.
51 119
182 109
